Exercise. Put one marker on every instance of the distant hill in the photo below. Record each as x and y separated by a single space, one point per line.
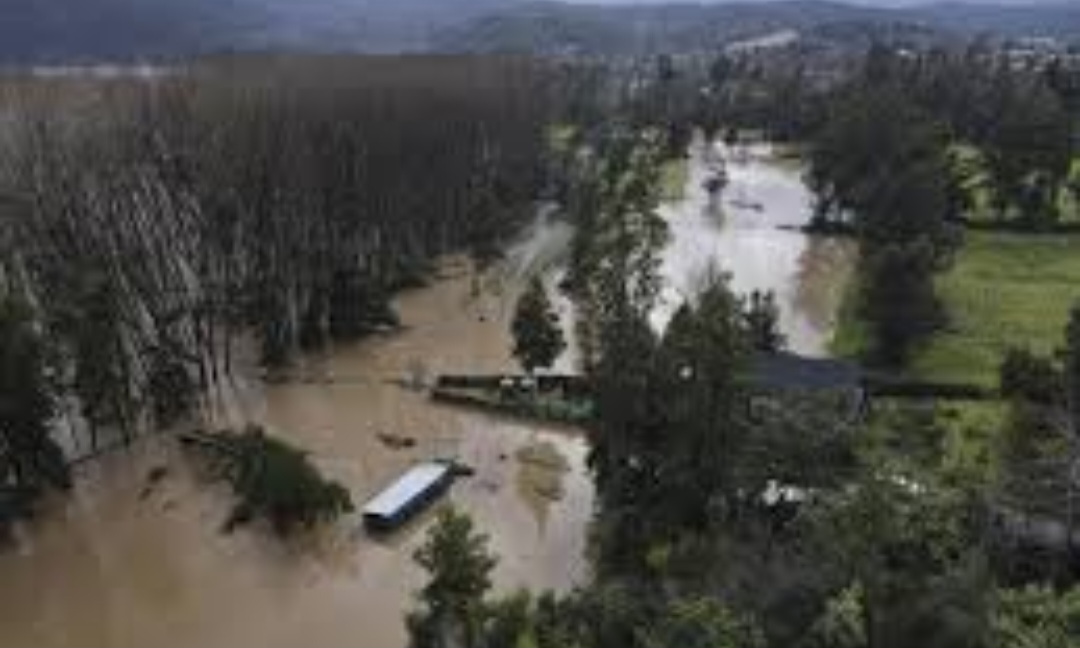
1051 19
557 27
368 25
553 27
81 30
66 31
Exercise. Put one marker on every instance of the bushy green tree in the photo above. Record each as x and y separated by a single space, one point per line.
898 299
29 458
1026 376
459 565
1034 617
1072 368
1028 151
913 551
842 624
538 338
763 320
509 622
701 623
880 160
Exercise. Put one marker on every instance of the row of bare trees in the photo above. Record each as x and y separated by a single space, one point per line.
154 223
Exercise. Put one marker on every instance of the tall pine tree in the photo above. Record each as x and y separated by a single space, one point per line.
538 340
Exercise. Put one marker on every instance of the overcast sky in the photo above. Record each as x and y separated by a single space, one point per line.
873 3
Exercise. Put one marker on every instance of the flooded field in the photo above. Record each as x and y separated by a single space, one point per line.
127 562
130 561
741 232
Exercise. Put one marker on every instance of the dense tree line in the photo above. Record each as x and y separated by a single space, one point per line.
1023 119
1020 119
154 226
878 165
788 525
732 516
30 461
1040 452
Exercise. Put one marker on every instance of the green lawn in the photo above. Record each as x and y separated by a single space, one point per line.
971 433
673 178
1003 291
559 137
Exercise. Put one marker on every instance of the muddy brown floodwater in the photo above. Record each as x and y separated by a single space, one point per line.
130 561
126 561
750 231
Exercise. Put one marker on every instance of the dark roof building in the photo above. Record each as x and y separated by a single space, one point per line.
788 371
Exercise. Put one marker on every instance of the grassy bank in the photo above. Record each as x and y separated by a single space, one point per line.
850 338
1004 290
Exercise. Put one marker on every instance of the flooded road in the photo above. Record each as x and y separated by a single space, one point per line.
127 562
740 233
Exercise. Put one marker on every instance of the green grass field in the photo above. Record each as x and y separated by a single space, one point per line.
673 178
972 429
1003 291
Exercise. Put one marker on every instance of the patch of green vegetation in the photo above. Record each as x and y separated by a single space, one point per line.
274 481
969 165
971 433
674 176
560 137
1003 291
850 338
954 440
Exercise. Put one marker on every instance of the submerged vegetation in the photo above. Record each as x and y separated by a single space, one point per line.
273 481
30 460
155 225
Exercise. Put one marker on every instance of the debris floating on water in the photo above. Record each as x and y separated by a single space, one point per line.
396 442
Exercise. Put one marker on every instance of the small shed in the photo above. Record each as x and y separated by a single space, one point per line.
408 495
